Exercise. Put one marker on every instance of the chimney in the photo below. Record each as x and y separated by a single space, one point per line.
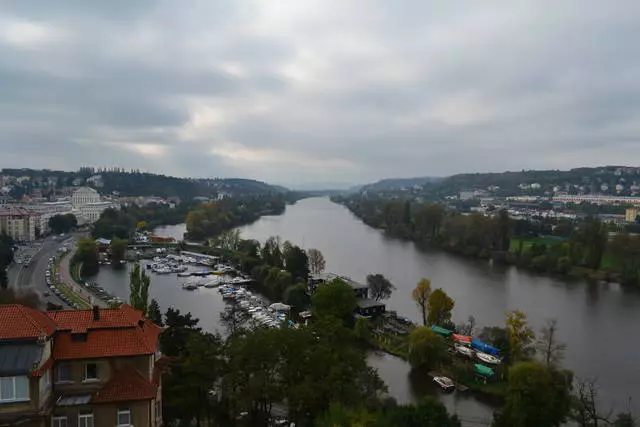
141 323
96 313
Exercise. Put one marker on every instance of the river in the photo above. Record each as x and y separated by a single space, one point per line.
596 321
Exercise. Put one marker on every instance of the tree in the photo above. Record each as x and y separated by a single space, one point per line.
276 282
87 255
142 225
153 312
118 249
591 238
379 286
62 223
173 340
626 253
421 296
316 261
362 329
336 299
426 348
427 413
536 397
586 412
139 284
551 350
440 306
297 263
228 240
624 420
297 297
521 336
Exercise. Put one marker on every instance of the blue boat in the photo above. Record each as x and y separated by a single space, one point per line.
485 348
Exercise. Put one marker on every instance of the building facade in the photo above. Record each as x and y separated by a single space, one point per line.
50 209
631 214
83 196
88 206
23 225
102 370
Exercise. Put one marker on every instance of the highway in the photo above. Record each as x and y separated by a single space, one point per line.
33 277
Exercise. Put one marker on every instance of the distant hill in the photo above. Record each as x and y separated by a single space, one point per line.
621 180
391 184
136 183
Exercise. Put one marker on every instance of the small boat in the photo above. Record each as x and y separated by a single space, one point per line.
487 358
464 350
446 384
184 274
189 286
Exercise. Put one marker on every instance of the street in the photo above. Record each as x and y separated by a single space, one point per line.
32 277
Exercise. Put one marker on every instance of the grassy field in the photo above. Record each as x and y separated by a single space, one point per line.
514 245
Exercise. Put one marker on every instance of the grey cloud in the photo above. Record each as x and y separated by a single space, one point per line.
371 88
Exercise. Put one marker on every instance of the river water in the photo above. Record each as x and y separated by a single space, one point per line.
597 321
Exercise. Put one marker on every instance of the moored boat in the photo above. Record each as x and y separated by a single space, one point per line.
189 286
446 384
487 358
464 350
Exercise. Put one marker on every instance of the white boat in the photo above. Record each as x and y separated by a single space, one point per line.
189 286
487 358
212 284
446 384
184 274
464 350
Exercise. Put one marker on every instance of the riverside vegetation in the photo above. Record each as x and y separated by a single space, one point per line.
568 249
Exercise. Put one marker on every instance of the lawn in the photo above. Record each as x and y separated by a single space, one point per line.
514 245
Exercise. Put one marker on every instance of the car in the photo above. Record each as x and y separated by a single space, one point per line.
46 293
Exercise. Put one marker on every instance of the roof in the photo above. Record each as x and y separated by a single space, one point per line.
125 385
367 303
20 322
19 359
75 400
118 332
328 277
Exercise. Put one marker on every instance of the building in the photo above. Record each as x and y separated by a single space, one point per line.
370 308
631 214
88 206
98 367
50 209
366 307
26 337
83 196
598 199
23 225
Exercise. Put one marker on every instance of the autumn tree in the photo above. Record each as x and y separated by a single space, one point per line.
316 261
379 287
521 336
421 295
440 306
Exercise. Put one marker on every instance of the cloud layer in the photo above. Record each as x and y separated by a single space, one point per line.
297 91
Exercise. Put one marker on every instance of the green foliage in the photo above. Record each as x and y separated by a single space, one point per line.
362 329
590 242
440 306
139 284
336 299
62 223
296 263
426 348
276 282
379 287
537 397
271 253
297 297
426 413
118 249
626 252
113 223
521 337
87 255
153 312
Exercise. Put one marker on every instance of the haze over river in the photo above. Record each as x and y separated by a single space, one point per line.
598 322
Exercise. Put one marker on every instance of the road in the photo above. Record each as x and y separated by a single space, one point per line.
33 276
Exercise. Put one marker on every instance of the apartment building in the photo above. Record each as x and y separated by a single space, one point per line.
88 205
26 339
103 370
21 224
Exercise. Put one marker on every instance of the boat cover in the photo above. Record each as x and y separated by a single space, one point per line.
483 370
462 338
442 331
485 348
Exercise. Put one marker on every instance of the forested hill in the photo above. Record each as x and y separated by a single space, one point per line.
136 183
621 180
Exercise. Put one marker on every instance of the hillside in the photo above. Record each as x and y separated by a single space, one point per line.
132 183
620 180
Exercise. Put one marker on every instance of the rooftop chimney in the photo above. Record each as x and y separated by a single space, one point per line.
96 313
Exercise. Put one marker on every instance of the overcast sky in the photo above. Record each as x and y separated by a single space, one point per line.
304 91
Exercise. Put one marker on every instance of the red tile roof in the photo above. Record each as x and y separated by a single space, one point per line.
125 385
118 332
44 368
20 322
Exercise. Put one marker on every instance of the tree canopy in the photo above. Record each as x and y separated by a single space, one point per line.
379 287
421 295
336 299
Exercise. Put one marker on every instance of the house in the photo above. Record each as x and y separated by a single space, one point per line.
106 368
26 337
81 368
366 307
369 307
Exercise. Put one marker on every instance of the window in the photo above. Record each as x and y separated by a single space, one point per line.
90 371
14 389
124 417
64 373
85 419
59 421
